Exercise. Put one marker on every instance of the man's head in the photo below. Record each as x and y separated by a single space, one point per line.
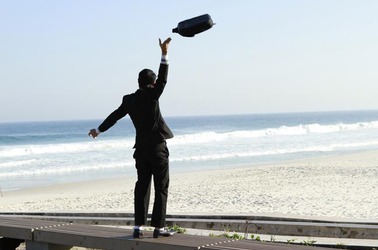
146 77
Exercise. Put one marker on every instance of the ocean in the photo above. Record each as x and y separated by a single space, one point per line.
43 153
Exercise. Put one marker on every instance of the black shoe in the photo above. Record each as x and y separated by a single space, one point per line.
162 232
137 233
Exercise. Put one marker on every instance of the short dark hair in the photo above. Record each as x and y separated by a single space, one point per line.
146 77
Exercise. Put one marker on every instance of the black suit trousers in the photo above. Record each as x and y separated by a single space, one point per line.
152 161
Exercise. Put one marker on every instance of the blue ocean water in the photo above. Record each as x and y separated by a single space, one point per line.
43 153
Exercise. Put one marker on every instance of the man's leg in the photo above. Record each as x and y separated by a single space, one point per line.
142 192
161 184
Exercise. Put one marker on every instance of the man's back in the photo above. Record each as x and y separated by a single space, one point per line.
144 110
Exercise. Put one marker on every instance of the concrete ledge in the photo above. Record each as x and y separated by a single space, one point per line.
332 230
114 216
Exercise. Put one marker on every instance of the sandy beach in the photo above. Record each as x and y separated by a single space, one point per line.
343 186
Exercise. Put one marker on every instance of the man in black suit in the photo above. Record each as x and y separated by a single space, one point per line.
151 152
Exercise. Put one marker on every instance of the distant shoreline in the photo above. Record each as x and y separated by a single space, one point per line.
201 116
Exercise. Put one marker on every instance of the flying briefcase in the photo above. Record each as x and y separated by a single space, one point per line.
193 26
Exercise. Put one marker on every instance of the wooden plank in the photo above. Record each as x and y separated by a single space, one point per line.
117 239
18 228
100 237
97 237
28 223
53 235
109 243
15 229
16 232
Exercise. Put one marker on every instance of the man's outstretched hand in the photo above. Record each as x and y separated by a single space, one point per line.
93 133
164 45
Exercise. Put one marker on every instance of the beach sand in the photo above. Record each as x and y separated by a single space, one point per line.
343 186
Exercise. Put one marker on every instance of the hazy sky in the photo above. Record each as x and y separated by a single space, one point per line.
75 59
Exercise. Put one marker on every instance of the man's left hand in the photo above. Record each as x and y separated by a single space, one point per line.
93 133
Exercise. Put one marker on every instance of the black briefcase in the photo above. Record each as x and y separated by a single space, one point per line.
193 26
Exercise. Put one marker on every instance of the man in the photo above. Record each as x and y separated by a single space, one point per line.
151 152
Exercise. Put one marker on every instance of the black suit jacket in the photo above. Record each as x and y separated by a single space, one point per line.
144 110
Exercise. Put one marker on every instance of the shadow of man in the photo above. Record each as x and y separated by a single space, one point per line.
9 244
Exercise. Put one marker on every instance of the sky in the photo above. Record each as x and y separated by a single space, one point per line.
74 60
